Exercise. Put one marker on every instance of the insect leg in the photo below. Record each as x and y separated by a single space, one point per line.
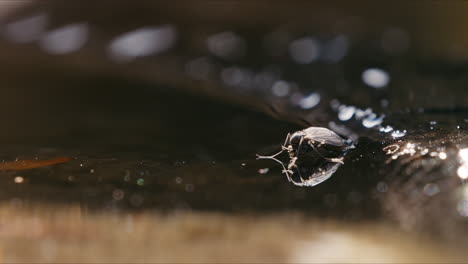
283 147
299 147
337 160
286 171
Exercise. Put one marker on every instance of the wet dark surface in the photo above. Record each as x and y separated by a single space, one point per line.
146 141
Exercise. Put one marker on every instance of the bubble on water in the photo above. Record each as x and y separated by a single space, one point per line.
310 101
263 171
398 133
345 113
304 50
67 39
142 42
26 29
226 45
431 189
376 78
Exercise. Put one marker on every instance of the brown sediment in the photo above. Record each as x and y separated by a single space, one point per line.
31 164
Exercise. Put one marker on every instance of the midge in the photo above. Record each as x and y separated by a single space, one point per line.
312 136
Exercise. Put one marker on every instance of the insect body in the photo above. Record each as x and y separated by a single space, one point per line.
315 138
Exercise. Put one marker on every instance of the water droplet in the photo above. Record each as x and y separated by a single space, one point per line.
376 78
64 40
142 42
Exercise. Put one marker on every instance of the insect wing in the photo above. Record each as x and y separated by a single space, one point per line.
318 177
324 135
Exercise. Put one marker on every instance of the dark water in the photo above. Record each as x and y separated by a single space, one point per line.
147 134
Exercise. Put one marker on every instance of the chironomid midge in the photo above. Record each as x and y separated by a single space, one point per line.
311 136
